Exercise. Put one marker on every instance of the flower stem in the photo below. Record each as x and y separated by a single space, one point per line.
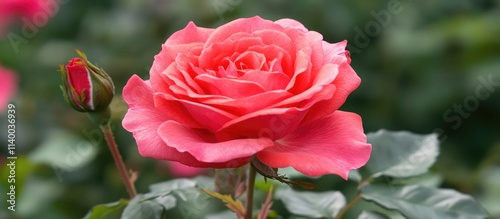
250 187
348 206
113 147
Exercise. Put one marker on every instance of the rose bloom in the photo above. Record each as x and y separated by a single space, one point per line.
8 84
217 97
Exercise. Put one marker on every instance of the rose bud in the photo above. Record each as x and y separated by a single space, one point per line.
86 87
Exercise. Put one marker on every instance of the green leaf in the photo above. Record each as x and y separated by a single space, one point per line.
100 211
490 197
416 201
180 195
234 205
222 215
143 207
372 215
204 182
312 204
192 202
37 194
172 185
428 180
355 176
167 201
400 154
177 184
64 151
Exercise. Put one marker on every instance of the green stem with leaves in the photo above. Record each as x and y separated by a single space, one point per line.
250 187
113 147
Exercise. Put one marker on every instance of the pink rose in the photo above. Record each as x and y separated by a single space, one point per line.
8 84
32 11
217 97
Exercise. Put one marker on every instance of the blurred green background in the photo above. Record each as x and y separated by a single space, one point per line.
421 63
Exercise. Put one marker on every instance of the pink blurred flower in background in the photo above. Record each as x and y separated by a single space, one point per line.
33 12
8 85
179 170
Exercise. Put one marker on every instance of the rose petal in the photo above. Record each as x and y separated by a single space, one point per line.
290 23
345 83
327 74
331 50
277 38
143 120
182 93
171 76
174 109
272 53
80 79
246 105
271 123
190 34
212 56
315 41
169 53
233 88
156 80
238 107
334 144
268 80
182 74
325 93
250 60
301 75
242 25
205 147
188 40
192 114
